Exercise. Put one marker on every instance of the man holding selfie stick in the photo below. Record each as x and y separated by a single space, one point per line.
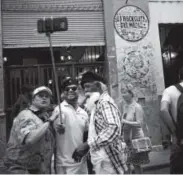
48 26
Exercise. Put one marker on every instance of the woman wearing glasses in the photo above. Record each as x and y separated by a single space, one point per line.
75 120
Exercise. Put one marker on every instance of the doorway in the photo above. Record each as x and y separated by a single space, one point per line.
171 39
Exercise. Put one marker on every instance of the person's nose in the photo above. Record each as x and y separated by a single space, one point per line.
44 97
70 90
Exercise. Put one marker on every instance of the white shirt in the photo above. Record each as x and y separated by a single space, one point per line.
171 95
96 156
76 122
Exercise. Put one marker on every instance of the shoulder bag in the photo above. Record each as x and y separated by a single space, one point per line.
142 144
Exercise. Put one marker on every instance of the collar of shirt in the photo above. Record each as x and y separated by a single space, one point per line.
38 113
66 104
33 108
103 95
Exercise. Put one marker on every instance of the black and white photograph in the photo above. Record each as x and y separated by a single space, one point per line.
91 87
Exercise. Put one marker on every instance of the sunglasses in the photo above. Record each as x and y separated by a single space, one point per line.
74 88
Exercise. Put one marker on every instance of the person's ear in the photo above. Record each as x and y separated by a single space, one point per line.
97 86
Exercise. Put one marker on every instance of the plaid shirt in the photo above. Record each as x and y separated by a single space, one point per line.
108 129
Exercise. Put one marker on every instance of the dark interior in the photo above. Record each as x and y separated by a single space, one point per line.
171 38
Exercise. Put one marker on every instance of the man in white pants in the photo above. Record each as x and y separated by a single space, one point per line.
104 139
75 120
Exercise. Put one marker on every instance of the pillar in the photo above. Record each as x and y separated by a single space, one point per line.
2 114
111 59
131 57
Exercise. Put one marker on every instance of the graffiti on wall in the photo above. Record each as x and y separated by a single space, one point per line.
134 66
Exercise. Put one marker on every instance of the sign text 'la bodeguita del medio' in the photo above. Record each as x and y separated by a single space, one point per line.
131 23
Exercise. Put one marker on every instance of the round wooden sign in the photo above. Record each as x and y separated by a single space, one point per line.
131 23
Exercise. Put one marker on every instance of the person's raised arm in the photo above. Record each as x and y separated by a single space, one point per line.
29 132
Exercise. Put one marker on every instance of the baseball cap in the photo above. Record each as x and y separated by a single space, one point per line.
69 81
40 89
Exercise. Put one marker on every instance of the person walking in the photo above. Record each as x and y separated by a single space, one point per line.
133 121
169 113
31 143
104 139
75 120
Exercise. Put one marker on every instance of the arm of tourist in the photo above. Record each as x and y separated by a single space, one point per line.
165 112
28 132
113 130
133 123
166 116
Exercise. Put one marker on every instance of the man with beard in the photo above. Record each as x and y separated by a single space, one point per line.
75 120
104 139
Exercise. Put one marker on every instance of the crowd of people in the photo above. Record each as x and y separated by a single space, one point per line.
82 136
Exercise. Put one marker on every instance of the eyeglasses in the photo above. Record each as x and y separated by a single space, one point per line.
74 88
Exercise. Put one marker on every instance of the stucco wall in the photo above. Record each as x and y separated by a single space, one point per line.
145 71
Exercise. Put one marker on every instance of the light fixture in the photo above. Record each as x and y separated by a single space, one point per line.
93 56
96 70
50 82
169 55
173 54
69 57
5 59
62 58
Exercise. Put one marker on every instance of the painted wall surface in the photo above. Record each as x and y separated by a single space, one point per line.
139 63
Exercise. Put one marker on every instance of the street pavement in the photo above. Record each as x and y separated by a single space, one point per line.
159 162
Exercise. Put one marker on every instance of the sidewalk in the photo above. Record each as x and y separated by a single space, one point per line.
159 158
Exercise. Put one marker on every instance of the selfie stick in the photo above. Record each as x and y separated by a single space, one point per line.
48 34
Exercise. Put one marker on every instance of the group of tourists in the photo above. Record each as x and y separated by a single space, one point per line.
78 136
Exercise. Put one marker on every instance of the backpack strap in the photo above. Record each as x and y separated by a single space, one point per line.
179 87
